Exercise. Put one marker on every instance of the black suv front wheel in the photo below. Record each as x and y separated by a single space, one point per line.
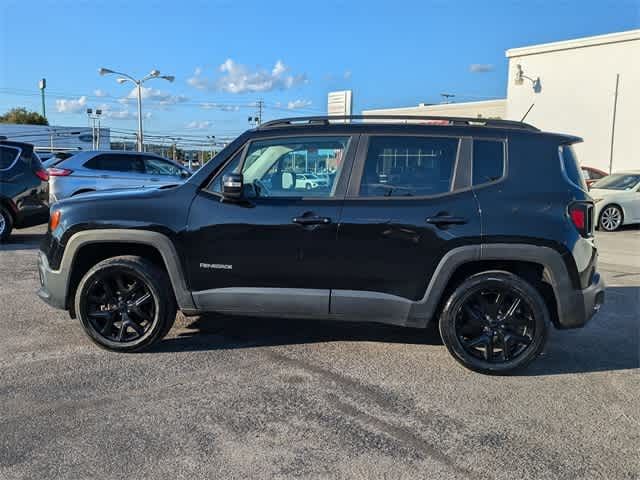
125 303
494 322
6 224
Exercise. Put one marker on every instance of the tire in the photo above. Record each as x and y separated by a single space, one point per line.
6 224
125 304
611 218
491 340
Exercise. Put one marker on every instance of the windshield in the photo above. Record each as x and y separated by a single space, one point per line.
618 181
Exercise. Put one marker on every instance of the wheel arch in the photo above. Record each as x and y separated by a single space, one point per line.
85 249
542 266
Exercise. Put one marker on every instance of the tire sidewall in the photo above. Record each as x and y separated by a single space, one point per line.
8 224
161 308
472 285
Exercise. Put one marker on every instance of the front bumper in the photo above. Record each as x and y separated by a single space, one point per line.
579 306
53 284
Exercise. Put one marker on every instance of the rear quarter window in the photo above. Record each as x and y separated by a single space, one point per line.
8 156
488 161
571 167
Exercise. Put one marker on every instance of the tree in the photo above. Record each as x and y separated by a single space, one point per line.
23 116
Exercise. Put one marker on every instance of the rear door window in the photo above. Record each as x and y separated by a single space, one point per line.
405 166
488 161
116 163
8 156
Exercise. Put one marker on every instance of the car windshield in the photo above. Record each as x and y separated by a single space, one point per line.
618 181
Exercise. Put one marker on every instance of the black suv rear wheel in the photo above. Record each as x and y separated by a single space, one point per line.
6 224
125 304
494 322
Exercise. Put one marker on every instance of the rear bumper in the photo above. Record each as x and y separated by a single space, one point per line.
579 306
53 284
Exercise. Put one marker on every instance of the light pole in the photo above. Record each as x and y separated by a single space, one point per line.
212 139
138 83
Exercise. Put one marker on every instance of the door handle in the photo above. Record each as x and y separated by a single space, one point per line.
311 220
443 220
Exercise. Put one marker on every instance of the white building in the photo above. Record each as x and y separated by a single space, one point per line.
485 109
577 94
46 137
569 87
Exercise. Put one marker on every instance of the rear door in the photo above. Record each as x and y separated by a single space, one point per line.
272 252
114 170
409 202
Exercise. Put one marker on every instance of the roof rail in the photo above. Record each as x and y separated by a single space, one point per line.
429 120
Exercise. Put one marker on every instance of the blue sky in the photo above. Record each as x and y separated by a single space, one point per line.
228 54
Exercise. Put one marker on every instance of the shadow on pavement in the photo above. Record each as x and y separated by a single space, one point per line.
608 342
21 241
213 332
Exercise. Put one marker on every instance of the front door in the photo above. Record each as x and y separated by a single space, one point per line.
404 210
273 252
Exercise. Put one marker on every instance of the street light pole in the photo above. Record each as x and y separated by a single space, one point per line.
138 83
140 139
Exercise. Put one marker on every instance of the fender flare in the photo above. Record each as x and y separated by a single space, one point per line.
556 271
155 240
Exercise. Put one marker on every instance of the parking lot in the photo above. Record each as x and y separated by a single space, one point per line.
240 398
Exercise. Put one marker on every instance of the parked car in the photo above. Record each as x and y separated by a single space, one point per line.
459 237
617 199
55 158
105 170
592 175
307 181
24 188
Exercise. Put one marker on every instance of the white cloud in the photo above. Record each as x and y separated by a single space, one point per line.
121 114
71 105
481 67
100 93
199 125
295 104
220 106
156 95
347 75
238 78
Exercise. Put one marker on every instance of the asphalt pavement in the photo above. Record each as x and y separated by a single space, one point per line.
255 398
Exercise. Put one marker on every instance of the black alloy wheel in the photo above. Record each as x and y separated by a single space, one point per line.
6 224
494 322
122 306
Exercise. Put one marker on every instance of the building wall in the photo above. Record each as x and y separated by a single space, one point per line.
59 137
576 95
485 109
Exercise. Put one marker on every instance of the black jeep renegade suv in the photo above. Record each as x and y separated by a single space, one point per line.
414 222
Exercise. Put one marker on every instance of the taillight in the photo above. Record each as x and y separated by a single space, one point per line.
581 216
59 172
42 175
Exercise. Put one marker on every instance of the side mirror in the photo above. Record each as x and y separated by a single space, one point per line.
185 173
232 186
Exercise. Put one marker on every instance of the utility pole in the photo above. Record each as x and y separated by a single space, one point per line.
42 85
446 97
260 107
613 122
